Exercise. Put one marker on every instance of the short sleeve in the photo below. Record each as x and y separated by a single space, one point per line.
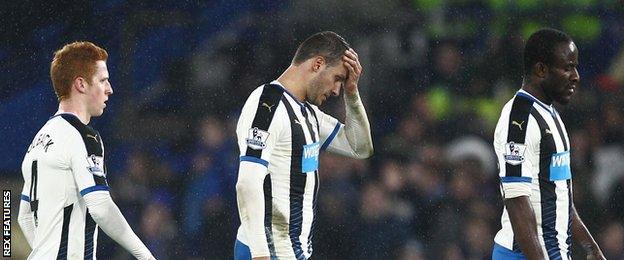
87 163
260 125
516 144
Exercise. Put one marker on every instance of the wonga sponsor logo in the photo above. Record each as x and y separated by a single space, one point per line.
309 162
560 166
561 160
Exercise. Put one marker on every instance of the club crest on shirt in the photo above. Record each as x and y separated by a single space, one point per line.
514 153
96 165
256 139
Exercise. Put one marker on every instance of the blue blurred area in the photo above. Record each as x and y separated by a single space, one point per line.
25 66
154 49
22 116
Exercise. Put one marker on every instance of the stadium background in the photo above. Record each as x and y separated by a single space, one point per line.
436 74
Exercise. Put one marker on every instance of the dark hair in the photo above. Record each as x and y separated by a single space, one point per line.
328 44
541 46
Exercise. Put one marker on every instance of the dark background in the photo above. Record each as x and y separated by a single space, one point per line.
436 74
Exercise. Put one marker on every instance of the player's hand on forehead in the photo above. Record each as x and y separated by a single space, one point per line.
354 69
351 58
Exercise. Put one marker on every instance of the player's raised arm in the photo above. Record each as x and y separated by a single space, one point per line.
354 138
281 131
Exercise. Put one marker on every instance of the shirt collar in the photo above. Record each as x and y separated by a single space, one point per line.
528 95
61 112
276 82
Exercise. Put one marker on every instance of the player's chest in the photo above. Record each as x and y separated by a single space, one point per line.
300 143
554 151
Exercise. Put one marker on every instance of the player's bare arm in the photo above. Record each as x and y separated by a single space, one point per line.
584 238
524 226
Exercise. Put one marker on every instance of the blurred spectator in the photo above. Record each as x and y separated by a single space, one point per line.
131 186
208 188
615 204
411 250
380 231
611 240
469 147
217 231
447 68
159 230
477 239
402 143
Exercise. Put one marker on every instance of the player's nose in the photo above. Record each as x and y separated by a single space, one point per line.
109 90
575 76
336 91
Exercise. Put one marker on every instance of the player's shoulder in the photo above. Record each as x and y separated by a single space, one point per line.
77 133
517 106
255 94
266 96
270 92
508 104
59 128
70 121
264 104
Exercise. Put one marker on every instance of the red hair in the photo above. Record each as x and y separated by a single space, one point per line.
74 60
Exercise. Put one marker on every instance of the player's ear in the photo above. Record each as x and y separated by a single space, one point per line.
318 63
541 69
80 84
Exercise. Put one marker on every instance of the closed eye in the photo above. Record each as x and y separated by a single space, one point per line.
341 78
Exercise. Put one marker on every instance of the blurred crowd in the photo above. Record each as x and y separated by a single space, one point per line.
436 74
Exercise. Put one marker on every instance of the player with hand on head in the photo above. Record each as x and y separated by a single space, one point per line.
281 132
66 196
533 149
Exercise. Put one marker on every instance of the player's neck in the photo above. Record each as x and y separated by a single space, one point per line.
71 106
292 81
536 90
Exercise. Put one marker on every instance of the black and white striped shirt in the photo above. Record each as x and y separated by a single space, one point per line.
64 162
533 151
285 136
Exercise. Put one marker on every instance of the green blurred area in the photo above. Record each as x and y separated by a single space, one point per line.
582 27
574 16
